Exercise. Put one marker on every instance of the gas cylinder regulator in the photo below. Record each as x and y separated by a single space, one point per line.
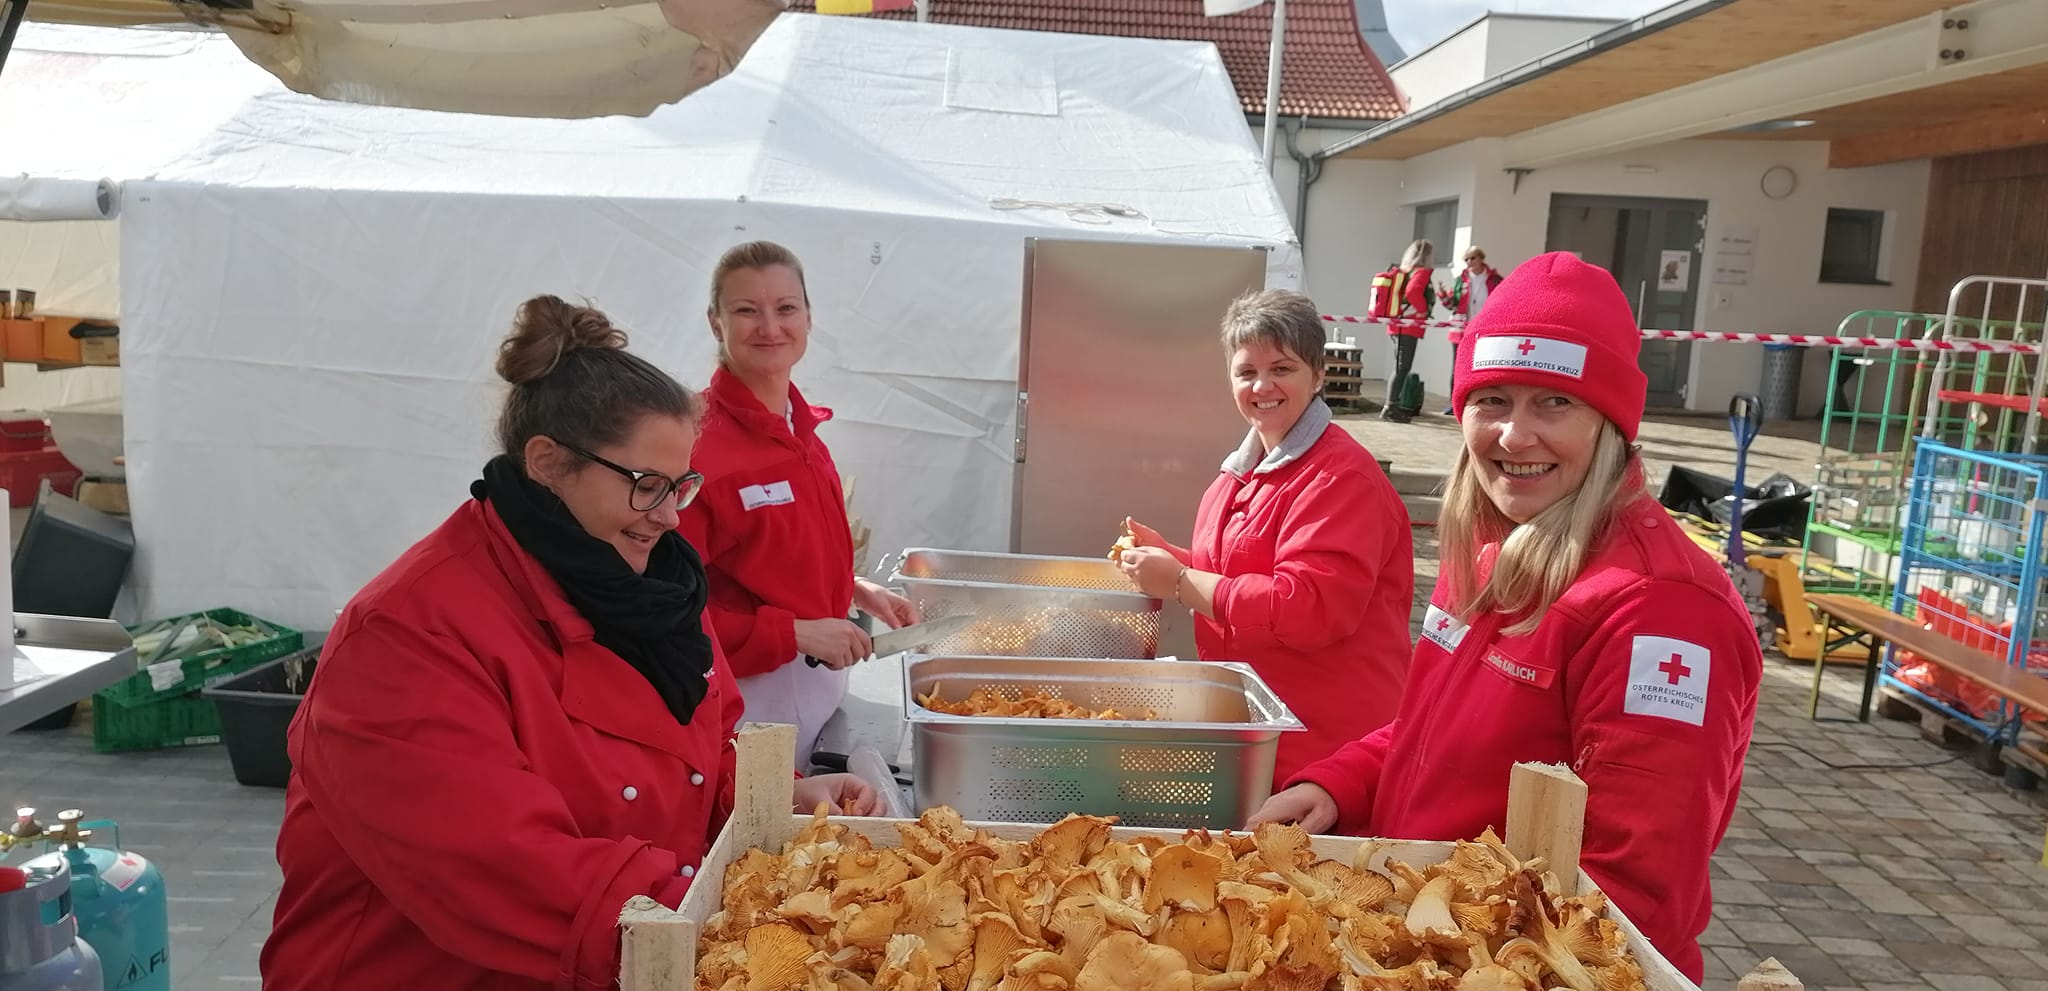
117 896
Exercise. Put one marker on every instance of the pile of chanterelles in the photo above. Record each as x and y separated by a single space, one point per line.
1029 705
1075 910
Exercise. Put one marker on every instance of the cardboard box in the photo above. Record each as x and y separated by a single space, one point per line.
100 350
23 340
107 497
59 347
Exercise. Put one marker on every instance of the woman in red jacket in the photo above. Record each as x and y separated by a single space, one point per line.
522 722
1301 564
771 523
1466 297
1573 624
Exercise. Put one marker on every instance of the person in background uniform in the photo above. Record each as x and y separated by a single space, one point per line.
1466 296
772 523
521 723
1573 624
1407 318
1302 564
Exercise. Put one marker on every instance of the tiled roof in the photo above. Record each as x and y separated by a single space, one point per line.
1328 71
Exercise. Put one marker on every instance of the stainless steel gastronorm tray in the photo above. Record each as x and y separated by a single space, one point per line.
1205 760
1031 605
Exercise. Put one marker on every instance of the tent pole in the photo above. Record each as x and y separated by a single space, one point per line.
1273 76
15 10
924 11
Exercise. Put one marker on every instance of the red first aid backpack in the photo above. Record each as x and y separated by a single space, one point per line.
1386 293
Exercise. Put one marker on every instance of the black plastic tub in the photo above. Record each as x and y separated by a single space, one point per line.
256 707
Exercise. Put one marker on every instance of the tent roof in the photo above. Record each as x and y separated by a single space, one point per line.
848 113
117 103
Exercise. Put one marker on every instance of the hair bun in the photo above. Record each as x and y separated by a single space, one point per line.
546 330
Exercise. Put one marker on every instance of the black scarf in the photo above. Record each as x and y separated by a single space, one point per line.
653 621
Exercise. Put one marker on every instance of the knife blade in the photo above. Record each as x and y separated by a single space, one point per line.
920 634
914 635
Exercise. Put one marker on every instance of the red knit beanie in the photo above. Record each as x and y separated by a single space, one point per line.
1561 323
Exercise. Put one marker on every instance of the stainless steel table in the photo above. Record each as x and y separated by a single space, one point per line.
59 660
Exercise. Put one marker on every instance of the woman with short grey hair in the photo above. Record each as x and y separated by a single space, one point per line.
1301 563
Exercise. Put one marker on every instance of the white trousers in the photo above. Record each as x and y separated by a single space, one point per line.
797 694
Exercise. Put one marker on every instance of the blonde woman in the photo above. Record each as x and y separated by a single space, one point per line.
1573 624
771 521
1402 298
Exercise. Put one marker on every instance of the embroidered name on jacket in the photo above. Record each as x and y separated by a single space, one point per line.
1668 678
1516 671
771 494
1541 353
1443 629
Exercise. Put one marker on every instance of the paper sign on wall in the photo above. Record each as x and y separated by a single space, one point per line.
1674 271
1735 255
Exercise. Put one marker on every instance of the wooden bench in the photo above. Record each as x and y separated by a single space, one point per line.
1880 626
1876 626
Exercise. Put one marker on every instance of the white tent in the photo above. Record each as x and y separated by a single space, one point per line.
85 104
312 295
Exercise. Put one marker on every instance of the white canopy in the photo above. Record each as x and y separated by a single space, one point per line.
314 292
581 58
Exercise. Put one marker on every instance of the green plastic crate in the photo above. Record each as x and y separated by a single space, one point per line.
192 673
179 721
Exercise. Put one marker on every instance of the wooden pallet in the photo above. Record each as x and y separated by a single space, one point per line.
2026 761
1546 817
1941 729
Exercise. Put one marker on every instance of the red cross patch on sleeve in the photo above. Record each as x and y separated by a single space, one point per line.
1443 629
1668 678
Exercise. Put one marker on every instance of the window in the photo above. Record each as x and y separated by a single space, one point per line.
1850 250
1436 223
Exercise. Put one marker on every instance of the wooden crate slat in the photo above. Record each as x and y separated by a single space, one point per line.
659 947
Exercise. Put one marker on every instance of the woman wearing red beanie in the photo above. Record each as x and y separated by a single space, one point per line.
1573 624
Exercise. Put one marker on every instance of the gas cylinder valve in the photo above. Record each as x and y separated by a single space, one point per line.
66 832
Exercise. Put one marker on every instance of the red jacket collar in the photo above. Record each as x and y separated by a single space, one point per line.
733 397
529 580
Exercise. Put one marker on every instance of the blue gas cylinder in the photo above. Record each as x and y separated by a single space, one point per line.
119 899
39 945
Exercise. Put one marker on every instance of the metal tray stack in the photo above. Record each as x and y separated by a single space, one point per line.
1031 605
1206 759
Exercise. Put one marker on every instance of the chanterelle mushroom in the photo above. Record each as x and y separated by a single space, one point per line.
1126 962
1079 907
1183 878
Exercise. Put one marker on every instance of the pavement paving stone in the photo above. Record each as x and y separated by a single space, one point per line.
1786 870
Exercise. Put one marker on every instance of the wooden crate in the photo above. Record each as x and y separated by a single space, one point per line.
1546 817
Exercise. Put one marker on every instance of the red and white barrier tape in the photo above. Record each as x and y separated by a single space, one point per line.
1800 340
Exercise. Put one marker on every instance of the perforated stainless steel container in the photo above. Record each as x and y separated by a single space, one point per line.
1031 605
1206 760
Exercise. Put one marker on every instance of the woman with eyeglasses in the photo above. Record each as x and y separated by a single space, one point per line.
771 522
521 723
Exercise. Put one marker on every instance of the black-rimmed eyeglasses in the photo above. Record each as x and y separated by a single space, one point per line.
649 487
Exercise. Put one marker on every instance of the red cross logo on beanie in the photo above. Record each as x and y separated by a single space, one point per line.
1526 346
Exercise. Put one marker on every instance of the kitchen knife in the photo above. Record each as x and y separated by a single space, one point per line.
920 634
914 635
